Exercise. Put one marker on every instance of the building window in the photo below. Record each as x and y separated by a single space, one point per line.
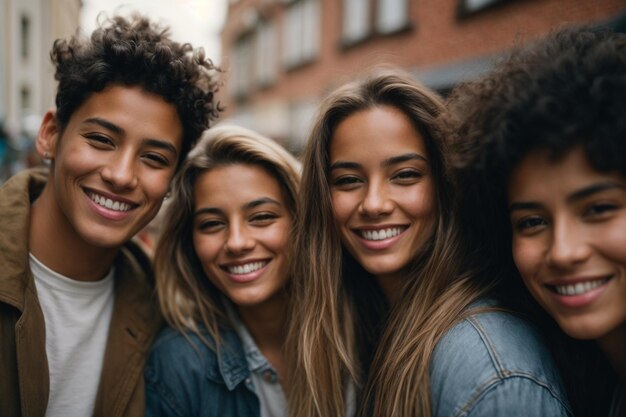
302 29
471 6
364 18
265 54
25 36
392 15
242 67
356 20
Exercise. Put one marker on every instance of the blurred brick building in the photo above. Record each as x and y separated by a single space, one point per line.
27 87
282 56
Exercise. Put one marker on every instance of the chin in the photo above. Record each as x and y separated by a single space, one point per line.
582 331
106 241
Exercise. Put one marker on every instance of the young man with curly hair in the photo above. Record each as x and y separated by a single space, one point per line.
76 298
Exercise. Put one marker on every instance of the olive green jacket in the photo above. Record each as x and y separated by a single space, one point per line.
24 379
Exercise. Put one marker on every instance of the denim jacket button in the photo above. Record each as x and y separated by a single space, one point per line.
270 376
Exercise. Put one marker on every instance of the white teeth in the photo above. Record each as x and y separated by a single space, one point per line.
246 268
579 288
380 234
108 203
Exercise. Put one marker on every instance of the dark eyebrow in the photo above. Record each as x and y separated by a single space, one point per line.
259 202
105 124
592 189
386 163
247 206
404 158
344 165
161 144
571 198
524 206
155 143
208 210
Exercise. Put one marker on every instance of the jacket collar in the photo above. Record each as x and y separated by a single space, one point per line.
18 193
231 360
17 288
134 323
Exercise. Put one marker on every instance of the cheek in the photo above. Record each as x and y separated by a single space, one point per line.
419 204
206 247
277 238
526 257
156 183
343 204
612 242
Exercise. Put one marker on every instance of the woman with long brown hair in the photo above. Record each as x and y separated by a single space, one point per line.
387 317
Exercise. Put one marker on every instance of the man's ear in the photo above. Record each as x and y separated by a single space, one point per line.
48 136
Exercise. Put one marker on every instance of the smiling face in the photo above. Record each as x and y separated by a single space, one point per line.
241 231
569 241
382 190
111 166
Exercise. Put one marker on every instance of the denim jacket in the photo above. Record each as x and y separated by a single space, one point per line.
192 380
495 364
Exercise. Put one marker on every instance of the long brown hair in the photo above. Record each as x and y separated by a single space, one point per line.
188 301
335 300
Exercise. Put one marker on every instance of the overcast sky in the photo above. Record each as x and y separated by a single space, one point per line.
195 21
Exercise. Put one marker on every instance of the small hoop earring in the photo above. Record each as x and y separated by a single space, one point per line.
46 155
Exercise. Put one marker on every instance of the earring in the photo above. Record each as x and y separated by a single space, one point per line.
46 155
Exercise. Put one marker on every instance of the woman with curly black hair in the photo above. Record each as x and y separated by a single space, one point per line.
77 314
541 144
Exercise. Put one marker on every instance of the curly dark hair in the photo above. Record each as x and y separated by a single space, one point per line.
564 91
137 52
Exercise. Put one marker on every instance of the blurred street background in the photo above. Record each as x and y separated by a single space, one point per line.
281 56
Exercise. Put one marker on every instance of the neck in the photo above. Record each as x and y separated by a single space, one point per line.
52 242
267 325
614 347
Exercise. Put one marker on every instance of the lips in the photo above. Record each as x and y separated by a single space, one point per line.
110 203
246 268
243 272
379 234
578 288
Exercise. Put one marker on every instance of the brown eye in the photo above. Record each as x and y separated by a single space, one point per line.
600 209
346 181
530 224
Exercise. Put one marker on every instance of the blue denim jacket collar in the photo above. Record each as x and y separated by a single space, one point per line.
231 361
254 358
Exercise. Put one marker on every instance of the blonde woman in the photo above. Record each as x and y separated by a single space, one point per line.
383 297
222 270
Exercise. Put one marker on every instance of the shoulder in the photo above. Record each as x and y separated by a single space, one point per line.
186 377
494 357
174 352
183 355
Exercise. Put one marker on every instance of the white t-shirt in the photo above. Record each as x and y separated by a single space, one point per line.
77 315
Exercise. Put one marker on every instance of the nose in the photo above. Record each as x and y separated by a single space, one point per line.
120 171
376 201
568 247
239 241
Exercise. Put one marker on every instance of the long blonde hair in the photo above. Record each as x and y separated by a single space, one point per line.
334 298
188 301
